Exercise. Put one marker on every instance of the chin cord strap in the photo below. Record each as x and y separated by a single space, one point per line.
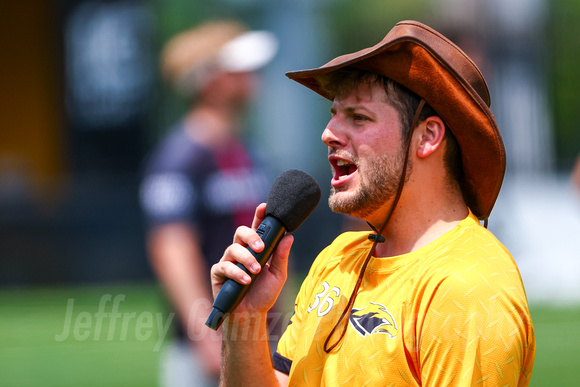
376 238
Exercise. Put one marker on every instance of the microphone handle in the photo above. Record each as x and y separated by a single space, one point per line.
271 231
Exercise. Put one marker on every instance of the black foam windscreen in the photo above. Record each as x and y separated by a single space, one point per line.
292 198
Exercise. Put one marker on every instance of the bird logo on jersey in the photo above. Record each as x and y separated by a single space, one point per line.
372 319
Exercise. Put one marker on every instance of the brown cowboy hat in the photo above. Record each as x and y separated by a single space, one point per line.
430 65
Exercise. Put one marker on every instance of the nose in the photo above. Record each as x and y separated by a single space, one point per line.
332 135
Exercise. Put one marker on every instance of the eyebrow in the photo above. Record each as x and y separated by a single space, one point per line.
350 109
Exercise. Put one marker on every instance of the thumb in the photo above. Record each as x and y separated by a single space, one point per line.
279 261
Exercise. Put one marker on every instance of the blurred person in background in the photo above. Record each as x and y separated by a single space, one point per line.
202 182
430 297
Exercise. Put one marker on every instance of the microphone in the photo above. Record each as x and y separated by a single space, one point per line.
291 199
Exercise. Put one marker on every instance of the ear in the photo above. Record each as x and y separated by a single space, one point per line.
431 133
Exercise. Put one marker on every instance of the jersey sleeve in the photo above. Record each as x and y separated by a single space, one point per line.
477 329
169 185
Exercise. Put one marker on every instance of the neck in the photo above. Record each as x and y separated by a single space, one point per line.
419 219
217 124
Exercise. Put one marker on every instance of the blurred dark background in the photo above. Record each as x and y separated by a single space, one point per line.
82 104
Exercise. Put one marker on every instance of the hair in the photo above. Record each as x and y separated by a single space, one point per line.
405 103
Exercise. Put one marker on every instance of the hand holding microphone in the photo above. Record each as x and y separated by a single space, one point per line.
292 198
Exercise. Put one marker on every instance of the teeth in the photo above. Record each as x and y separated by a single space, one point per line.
342 163
342 177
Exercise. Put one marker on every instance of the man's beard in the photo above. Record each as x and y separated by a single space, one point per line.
377 185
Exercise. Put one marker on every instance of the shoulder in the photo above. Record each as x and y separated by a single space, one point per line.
345 244
176 151
333 265
472 280
470 262
472 244
167 189
343 250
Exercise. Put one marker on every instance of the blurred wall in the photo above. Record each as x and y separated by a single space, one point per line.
32 157
76 79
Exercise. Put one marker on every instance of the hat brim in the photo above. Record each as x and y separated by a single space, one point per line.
434 68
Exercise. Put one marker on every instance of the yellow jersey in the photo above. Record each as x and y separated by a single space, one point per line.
453 312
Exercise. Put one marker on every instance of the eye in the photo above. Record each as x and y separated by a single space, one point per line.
359 117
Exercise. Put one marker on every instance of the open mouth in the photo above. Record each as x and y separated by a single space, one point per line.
342 168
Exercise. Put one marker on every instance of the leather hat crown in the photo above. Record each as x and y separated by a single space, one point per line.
430 65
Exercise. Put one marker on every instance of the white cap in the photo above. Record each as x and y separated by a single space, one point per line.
191 59
248 52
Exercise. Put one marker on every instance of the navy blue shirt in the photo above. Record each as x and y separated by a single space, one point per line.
214 190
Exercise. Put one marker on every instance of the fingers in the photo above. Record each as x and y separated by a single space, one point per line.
246 236
259 215
238 253
227 267
237 256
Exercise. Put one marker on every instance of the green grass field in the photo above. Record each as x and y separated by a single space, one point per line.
38 348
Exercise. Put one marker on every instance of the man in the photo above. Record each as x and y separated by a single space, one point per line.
431 298
202 181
